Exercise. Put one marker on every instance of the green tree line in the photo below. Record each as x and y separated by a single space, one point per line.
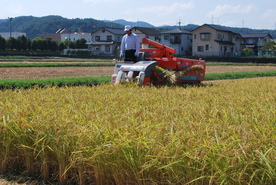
22 43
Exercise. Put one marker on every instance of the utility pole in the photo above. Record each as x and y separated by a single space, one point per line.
10 18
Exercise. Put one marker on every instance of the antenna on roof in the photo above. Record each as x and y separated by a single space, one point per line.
179 23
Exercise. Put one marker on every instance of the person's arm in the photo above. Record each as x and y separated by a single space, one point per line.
122 47
137 45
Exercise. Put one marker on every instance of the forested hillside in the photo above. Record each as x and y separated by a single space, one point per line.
32 26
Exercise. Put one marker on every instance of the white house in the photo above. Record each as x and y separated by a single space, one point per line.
180 40
73 36
149 33
254 41
106 41
215 40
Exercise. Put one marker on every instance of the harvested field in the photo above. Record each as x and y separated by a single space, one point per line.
57 72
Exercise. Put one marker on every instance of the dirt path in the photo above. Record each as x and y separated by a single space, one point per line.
56 72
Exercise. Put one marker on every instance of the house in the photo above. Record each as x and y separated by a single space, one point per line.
180 40
215 40
254 41
73 36
106 41
53 36
149 33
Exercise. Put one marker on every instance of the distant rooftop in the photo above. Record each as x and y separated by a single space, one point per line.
177 31
255 35
148 31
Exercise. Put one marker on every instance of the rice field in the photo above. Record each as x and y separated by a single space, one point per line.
221 133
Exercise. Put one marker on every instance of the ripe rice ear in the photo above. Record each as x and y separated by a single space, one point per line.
172 79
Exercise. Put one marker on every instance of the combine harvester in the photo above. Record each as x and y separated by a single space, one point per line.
158 65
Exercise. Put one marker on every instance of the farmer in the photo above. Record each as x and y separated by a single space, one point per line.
130 45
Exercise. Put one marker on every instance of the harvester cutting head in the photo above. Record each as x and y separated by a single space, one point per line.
158 65
139 72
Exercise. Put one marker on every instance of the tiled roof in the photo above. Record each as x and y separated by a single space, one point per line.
175 31
216 27
116 31
148 31
255 35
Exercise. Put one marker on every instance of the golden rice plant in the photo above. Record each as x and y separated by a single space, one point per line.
221 133
172 77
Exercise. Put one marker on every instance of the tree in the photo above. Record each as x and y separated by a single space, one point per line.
80 44
2 43
29 44
34 45
24 42
270 46
53 45
11 43
19 43
40 44
61 46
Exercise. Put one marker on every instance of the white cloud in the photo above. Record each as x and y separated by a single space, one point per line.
101 1
222 10
270 14
14 9
175 9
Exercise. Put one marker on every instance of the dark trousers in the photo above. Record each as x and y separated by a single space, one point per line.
130 55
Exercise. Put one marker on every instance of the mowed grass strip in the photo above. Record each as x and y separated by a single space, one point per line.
239 75
77 81
214 134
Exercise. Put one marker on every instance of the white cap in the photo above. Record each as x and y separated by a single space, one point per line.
127 27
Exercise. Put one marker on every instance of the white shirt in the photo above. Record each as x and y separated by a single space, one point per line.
130 42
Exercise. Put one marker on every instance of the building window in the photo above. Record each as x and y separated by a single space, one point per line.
107 48
200 48
97 38
220 36
118 38
109 38
206 47
205 36
194 36
166 37
103 31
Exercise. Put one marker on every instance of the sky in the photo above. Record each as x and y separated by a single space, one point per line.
255 14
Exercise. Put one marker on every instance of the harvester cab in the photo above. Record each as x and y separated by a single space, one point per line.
158 65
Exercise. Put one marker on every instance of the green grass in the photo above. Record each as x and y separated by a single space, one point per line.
73 81
236 64
238 75
90 81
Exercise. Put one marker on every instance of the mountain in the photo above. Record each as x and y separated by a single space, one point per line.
133 24
32 26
